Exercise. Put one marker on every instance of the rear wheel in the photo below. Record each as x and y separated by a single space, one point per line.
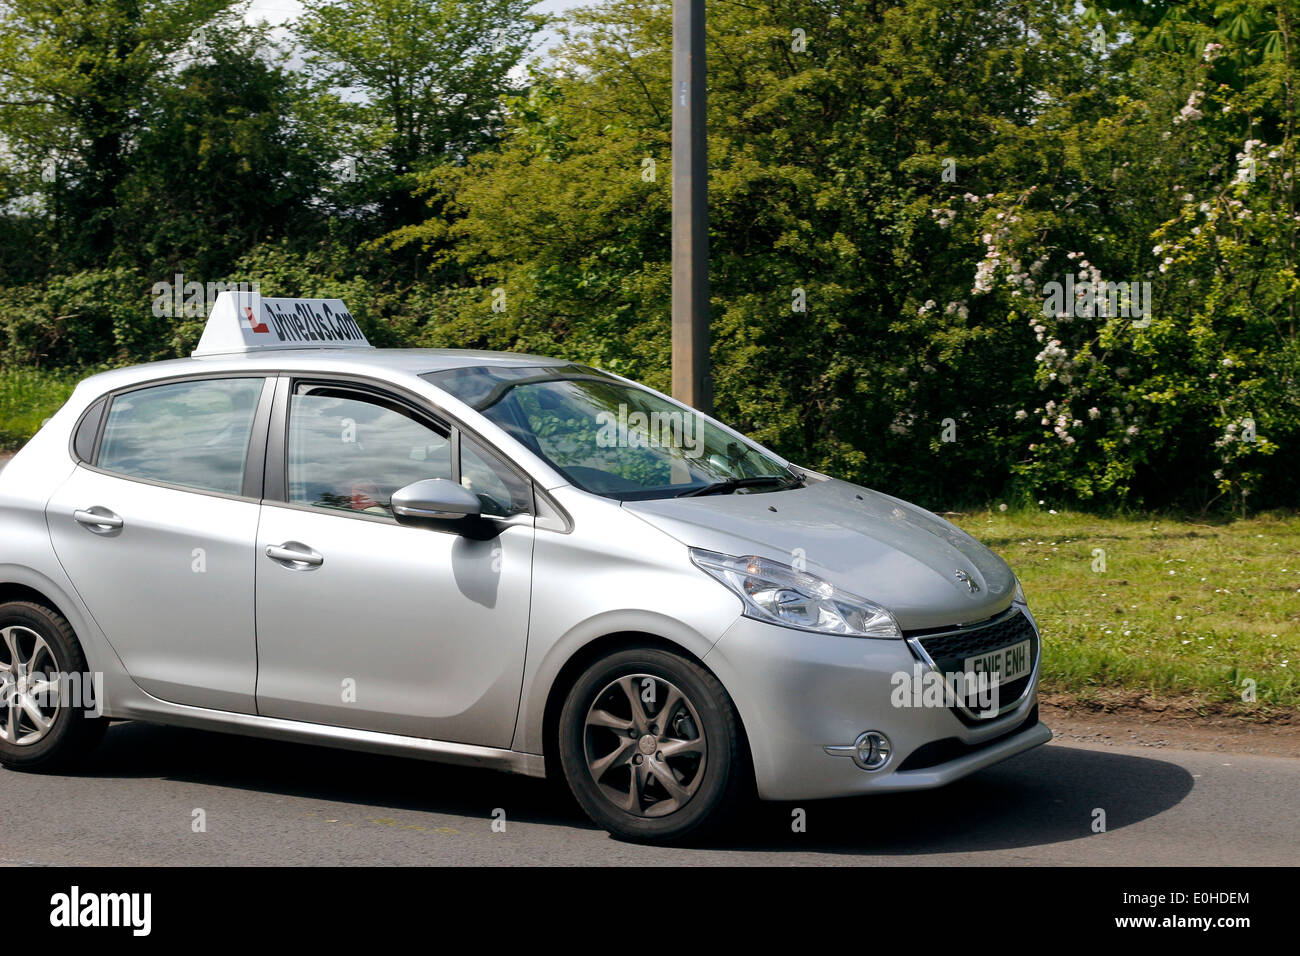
40 727
652 749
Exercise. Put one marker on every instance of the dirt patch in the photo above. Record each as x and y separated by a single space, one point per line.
1167 724
1154 709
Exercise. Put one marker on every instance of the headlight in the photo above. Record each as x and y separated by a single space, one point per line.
778 593
1019 596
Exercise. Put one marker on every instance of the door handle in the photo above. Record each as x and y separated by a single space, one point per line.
99 520
293 554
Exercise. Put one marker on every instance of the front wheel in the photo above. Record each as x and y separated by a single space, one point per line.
652 749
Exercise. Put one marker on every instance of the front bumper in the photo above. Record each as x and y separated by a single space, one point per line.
799 692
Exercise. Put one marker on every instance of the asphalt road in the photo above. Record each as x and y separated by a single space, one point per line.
270 803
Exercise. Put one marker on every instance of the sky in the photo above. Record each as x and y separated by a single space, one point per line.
277 12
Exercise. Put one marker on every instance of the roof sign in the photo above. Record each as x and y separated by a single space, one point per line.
247 322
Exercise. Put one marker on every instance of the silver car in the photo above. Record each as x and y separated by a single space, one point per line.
490 559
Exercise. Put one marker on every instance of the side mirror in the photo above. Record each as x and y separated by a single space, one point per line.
435 499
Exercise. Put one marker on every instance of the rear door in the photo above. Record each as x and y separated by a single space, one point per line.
368 624
156 529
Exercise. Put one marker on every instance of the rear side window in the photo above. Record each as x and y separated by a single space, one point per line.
191 434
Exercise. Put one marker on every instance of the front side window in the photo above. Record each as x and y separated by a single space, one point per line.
349 451
612 438
192 434
501 491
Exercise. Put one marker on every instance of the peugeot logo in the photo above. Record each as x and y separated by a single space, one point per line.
967 580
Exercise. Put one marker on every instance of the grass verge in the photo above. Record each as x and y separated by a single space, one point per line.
27 398
1160 614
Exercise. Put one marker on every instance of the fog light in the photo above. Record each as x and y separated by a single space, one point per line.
872 750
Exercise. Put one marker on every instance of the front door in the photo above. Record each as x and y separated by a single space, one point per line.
368 624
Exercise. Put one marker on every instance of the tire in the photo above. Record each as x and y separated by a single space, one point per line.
615 760
72 733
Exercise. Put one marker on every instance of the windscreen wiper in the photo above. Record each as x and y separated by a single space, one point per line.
731 484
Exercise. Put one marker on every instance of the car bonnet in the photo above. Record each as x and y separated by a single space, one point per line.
923 569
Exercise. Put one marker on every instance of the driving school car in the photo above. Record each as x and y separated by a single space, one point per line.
490 559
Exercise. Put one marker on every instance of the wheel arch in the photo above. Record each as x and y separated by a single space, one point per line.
20 591
23 584
584 657
13 591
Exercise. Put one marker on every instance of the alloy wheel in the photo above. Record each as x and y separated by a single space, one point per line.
29 686
645 746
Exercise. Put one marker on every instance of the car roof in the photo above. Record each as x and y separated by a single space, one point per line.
403 362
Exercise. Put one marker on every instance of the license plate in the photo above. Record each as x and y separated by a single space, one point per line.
1003 665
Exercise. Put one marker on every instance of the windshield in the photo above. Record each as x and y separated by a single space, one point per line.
612 438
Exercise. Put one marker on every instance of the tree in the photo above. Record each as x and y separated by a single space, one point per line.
406 84
829 128
74 78
894 190
223 162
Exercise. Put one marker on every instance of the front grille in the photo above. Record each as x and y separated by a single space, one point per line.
950 650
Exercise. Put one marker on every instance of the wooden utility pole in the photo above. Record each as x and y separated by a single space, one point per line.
691 379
